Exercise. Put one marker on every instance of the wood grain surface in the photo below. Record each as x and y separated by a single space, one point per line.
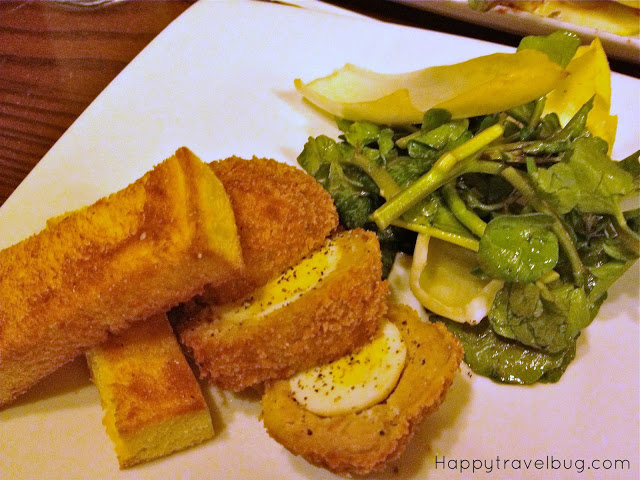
54 60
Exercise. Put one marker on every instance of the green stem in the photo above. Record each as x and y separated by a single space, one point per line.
483 166
454 238
387 185
537 112
521 183
441 172
457 206
629 238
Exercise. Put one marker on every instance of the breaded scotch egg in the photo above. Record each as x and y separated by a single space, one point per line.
281 214
366 440
317 311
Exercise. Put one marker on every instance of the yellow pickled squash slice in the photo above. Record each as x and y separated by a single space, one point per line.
442 281
589 77
482 85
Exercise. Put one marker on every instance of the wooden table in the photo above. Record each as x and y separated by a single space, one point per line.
54 60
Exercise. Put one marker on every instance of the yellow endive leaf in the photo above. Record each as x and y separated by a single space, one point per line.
589 76
441 280
482 85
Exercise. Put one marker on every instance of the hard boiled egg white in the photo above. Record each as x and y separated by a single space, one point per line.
354 382
286 288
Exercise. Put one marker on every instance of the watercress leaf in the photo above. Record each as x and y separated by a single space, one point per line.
603 276
553 375
433 118
558 186
432 211
488 189
511 128
523 113
343 124
439 137
559 46
631 164
372 156
353 202
317 152
547 321
355 195
393 240
519 248
549 125
406 170
478 124
602 182
506 360
385 143
361 134
421 150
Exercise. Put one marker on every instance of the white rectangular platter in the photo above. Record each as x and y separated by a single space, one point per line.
220 81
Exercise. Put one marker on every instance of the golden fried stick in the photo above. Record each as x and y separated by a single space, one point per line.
98 270
152 401
291 323
359 443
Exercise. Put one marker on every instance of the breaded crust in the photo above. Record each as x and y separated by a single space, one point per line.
339 314
359 443
152 402
97 270
281 214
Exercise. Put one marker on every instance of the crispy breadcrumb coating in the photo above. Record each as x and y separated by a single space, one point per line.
363 442
99 269
336 316
281 214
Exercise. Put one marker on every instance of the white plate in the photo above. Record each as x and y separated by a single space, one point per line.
220 80
524 23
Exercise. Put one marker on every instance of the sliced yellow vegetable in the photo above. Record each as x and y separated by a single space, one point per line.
589 76
442 281
619 18
482 85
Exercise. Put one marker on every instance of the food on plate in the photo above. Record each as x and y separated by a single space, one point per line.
363 378
529 191
315 312
621 17
440 280
152 402
282 215
358 443
476 87
589 76
98 270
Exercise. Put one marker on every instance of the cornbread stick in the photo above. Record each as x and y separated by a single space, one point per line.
151 399
98 270
292 324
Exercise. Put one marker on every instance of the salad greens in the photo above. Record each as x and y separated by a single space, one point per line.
538 201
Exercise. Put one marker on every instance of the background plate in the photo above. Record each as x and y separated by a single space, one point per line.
220 81
524 23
